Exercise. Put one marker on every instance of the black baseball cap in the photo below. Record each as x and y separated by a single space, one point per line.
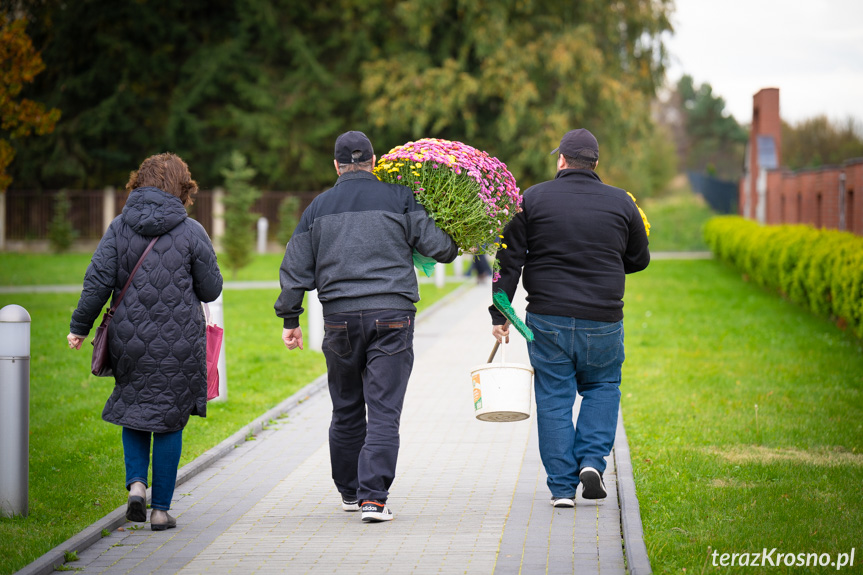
578 144
353 147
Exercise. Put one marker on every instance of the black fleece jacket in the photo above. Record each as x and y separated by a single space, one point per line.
576 238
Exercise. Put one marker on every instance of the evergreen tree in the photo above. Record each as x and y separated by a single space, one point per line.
288 218
709 140
240 196
284 78
61 233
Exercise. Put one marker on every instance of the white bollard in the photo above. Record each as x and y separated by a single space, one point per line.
263 224
14 410
315 316
439 274
217 315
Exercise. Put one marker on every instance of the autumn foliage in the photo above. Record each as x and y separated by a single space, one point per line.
19 65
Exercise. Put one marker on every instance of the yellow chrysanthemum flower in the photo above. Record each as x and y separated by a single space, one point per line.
643 215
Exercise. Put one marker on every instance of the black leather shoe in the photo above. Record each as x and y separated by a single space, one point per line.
136 509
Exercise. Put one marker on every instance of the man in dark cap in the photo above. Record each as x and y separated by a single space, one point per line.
354 245
575 239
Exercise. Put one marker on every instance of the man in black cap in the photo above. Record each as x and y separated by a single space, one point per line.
354 245
575 238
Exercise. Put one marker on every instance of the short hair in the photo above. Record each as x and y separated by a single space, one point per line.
366 166
169 173
579 163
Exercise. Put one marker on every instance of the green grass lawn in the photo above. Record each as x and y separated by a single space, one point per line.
68 269
676 220
76 459
744 415
745 419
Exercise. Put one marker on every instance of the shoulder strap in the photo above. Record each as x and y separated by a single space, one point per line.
117 301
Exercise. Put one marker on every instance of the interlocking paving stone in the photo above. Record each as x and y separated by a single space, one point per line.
469 496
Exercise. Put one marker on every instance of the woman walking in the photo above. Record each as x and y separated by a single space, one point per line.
156 339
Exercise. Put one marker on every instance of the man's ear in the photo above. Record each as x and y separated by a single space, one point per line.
561 162
336 166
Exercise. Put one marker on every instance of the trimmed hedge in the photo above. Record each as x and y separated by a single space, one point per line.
819 269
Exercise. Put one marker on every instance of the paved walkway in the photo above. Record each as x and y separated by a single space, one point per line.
469 497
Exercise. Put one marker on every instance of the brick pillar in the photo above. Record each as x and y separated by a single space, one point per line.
765 122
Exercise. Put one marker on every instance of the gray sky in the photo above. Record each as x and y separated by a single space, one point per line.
811 50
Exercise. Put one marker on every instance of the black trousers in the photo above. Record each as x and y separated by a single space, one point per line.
369 360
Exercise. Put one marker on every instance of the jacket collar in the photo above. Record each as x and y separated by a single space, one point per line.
360 175
576 173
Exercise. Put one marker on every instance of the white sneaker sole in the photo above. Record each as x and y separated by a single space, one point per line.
372 514
351 506
377 517
593 487
563 502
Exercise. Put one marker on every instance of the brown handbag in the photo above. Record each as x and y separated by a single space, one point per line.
100 365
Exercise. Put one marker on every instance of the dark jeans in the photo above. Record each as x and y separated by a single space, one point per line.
369 360
166 457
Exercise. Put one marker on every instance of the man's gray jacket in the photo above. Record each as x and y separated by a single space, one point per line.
354 244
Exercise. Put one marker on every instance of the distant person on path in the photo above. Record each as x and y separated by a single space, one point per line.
354 244
480 265
157 340
576 238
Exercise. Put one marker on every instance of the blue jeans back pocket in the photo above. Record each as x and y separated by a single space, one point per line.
603 348
545 342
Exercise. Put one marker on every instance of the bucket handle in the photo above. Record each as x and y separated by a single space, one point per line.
494 350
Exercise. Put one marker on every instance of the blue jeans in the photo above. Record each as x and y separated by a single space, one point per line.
166 457
369 361
575 356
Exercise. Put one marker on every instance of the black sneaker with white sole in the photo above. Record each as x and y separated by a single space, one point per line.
350 503
375 511
563 501
591 480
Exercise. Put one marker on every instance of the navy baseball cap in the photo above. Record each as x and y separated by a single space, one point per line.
578 144
353 147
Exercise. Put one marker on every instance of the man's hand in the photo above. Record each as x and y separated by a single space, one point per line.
501 331
293 338
75 341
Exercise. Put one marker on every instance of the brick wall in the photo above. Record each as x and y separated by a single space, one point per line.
816 197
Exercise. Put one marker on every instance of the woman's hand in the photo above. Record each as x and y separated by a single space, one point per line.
75 341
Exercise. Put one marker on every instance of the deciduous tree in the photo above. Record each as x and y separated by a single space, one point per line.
818 141
20 62
280 79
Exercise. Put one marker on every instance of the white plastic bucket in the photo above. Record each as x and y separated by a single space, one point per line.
501 391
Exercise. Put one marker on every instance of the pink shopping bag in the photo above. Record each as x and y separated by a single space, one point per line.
214 347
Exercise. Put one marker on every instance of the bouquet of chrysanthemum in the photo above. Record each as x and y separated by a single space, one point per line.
469 194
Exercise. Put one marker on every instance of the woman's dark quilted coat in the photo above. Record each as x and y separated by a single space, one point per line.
157 338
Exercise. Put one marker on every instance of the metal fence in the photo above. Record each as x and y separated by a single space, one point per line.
721 195
29 212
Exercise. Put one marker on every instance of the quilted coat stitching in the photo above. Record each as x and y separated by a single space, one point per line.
156 339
